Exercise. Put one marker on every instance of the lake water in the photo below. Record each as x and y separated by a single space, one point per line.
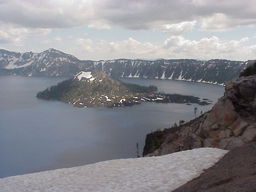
39 135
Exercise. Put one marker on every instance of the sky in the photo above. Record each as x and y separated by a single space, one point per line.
145 29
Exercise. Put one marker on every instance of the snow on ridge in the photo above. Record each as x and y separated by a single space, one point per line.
148 174
12 64
84 74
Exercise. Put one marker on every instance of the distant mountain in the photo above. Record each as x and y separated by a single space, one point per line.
212 71
93 89
51 63
48 63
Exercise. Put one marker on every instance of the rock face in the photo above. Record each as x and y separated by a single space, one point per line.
51 63
95 89
229 124
236 171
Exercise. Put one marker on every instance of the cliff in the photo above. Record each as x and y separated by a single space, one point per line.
230 123
53 63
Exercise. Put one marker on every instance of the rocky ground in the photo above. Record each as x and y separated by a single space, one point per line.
230 123
235 172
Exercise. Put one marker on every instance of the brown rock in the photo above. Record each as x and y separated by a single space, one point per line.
230 143
219 134
235 172
249 134
222 114
238 126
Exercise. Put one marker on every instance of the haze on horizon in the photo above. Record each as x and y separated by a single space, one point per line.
109 29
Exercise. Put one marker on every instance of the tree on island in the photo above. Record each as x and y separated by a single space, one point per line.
195 111
251 70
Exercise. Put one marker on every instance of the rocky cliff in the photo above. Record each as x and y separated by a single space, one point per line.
52 63
229 124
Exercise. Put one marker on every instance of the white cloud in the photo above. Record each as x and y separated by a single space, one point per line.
57 38
21 20
173 47
216 21
175 15
209 48
16 35
178 28
129 48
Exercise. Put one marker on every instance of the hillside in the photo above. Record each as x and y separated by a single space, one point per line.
52 63
234 172
95 89
48 63
230 123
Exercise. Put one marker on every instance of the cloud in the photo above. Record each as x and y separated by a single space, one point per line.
209 48
173 47
130 48
132 14
16 34
217 22
43 14
178 28
21 20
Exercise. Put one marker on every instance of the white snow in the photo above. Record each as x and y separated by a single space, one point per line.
84 74
42 69
107 99
148 174
171 75
180 77
11 64
136 75
122 100
163 75
13 60
92 79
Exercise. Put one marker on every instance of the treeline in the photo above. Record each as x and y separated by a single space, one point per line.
140 89
251 70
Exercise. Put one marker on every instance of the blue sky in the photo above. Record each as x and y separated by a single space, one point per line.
109 29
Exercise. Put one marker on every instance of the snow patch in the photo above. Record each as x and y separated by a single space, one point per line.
107 99
171 75
122 100
163 75
84 74
147 174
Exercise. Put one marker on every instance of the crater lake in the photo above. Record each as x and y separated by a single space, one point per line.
38 135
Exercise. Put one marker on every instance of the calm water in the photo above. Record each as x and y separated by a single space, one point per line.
38 135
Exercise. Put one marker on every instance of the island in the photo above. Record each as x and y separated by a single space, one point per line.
97 89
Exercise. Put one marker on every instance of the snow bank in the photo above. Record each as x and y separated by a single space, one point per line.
156 174
83 74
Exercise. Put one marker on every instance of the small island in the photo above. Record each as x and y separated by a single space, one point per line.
97 89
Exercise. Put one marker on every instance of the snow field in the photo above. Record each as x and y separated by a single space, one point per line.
147 174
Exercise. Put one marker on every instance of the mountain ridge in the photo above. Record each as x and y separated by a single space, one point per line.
55 63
